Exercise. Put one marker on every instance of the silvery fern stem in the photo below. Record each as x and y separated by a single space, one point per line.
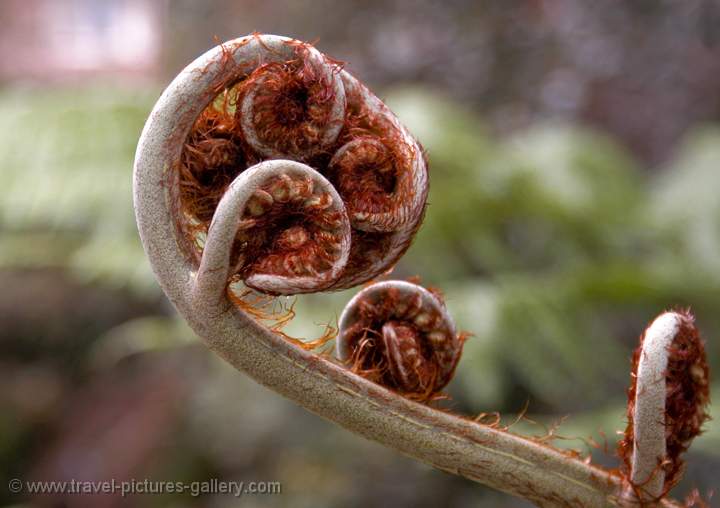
649 415
666 406
488 455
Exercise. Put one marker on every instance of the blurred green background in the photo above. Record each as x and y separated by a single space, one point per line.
575 166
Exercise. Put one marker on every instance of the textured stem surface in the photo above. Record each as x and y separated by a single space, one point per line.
667 401
649 415
487 455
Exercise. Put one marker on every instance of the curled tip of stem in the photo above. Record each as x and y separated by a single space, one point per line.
293 108
287 228
667 403
377 181
268 97
400 335
171 206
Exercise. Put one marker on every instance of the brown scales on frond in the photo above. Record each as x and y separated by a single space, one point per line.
365 360
379 168
369 172
293 233
366 250
688 394
211 159
548 437
265 308
291 103
212 156
280 108
287 106
400 343
494 423
261 306
313 344
687 379
215 151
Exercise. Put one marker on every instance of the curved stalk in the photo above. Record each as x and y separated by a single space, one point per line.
668 396
457 445
407 204
649 415
399 335
214 270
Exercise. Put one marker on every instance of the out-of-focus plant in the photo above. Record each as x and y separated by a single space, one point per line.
65 195
685 207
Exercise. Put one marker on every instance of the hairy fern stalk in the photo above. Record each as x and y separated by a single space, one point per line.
264 162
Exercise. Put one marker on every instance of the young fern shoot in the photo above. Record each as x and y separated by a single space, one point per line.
265 162
667 404
400 335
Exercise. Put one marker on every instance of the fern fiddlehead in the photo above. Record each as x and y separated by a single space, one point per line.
298 179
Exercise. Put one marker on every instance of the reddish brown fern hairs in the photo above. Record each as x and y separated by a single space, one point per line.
400 335
667 402
265 162
325 189
291 102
